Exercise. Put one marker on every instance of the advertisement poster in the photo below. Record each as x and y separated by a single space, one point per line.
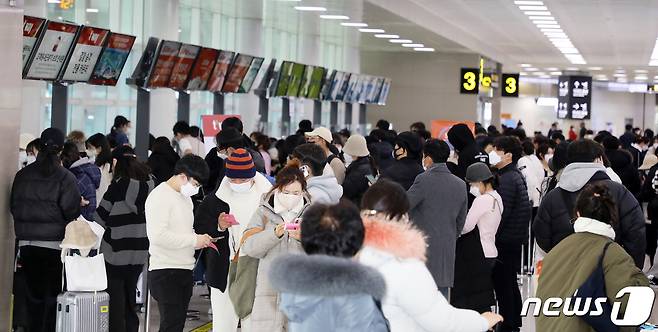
343 85
315 86
284 79
31 28
51 53
212 125
110 65
218 75
202 69
164 64
249 79
86 51
237 72
145 62
439 128
184 61
306 81
383 94
296 79
327 86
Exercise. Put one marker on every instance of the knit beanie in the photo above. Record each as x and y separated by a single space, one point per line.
240 165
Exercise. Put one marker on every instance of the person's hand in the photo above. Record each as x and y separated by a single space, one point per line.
202 241
83 201
297 235
492 319
223 222
279 230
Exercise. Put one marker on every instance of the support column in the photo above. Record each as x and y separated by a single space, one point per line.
496 104
317 113
184 106
362 117
285 117
333 118
264 112
348 114
142 123
218 103
59 116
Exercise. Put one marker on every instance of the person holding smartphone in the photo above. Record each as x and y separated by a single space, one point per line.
279 219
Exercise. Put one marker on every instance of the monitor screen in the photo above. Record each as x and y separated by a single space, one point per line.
315 86
164 64
218 75
249 79
342 86
371 98
237 72
264 84
283 79
351 87
183 66
328 85
32 28
296 79
202 69
145 62
365 85
383 95
112 60
50 55
306 81
86 51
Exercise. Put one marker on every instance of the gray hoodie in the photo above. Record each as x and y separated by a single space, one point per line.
576 175
324 189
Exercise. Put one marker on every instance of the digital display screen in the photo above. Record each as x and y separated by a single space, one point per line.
112 60
202 69
218 75
54 46
237 72
164 64
86 51
183 66
249 79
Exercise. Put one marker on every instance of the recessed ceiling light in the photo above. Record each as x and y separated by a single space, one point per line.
544 20
372 30
548 18
401 41
538 13
544 76
530 3
353 24
413 45
641 78
556 73
594 68
92 10
539 73
531 69
653 63
310 9
525 65
335 17
551 30
556 34
549 26
572 68
655 77
642 71
551 69
533 8
424 49
619 75
568 50
523 74
54 1
387 36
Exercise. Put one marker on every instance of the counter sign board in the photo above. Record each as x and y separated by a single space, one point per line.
51 52
86 51
32 27
184 61
110 65
164 64
574 97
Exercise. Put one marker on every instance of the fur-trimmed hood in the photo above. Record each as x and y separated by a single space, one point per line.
325 276
398 238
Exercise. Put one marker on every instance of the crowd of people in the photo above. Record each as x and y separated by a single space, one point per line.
322 231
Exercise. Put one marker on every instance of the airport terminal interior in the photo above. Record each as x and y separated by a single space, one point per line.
328 165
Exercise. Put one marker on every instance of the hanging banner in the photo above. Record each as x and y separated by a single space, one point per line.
202 69
32 27
51 53
164 64
440 128
111 62
184 61
86 51
219 72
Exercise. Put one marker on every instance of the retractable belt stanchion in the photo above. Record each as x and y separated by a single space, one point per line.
59 117
317 113
285 117
333 117
348 113
183 106
218 104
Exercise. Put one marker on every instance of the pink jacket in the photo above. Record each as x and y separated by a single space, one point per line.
485 212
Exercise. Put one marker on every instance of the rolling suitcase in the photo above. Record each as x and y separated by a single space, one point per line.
83 312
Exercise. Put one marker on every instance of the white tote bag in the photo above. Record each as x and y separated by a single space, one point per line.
85 274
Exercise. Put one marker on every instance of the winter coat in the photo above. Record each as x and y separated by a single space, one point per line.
324 189
469 152
553 221
106 180
622 163
217 168
266 246
121 212
649 194
382 152
337 167
162 165
403 171
534 174
326 294
41 205
206 222
397 250
517 208
570 263
356 183
438 206
89 179
627 139
473 288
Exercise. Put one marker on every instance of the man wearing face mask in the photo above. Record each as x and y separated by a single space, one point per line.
438 206
172 240
407 152
468 150
242 189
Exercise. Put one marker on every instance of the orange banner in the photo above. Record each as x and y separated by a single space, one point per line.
440 127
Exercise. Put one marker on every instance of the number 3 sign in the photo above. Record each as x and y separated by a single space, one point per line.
469 80
510 85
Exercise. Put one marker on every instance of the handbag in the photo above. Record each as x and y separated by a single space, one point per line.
85 274
242 274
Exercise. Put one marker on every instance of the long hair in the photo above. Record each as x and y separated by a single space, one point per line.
48 159
100 141
128 166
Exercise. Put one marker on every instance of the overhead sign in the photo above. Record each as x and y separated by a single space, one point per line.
111 62
183 65
218 75
238 71
249 79
164 64
469 81
145 63
86 51
574 97
202 69
51 53
510 85
32 27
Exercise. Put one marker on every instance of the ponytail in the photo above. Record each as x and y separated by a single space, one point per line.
595 202
48 159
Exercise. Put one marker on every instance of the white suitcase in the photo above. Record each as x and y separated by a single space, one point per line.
83 312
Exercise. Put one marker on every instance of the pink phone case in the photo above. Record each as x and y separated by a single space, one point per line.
291 227
231 219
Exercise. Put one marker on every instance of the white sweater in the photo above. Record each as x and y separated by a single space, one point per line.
170 229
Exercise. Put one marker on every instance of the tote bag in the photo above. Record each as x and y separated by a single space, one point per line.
242 274
85 274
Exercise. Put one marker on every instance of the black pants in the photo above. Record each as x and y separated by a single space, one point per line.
172 288
121 286
42 269
652 238
528 246
506 286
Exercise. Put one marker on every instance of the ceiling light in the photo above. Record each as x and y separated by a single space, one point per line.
387 36
641 71
353 24
523 74
556 34
538 13
525 65
595 68
533 8
542 18
531 3
549 26
372 30
547 101
551 69
413 45
92 10
401 41
619 75
568 50
335 17
531 69
556 73
653 63
424 49
311 9
551 30
544 76
54 1
539 73
655 77
641 78
572 68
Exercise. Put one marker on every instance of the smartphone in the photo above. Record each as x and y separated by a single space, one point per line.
294 225
231 220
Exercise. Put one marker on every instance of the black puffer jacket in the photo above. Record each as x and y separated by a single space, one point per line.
553 220
517 208
403 171
382 152
205 222
621 161
469 152
356 183
42 206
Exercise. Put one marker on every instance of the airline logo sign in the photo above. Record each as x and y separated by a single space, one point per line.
87 50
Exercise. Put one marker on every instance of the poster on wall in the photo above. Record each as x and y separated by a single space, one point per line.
145 63
51 52
87 49
32 28
237 72
112 60
202 69
249 79
164 64
315 86
218 75
183 65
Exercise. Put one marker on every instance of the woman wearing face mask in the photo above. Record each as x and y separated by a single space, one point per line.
356 177
242 189
282 206
98 151
119 132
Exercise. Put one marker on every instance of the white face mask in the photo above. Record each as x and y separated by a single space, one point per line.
548 157
91 153
22 158
475 191
287 201
222 155
30 159
189 190
494 158
348 160
240 188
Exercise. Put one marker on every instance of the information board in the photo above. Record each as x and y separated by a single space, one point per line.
336 84
145 63
315 85
510 85
86 51
249 79
183 66
52 50
264 85
202 69
237 72
296 79
112 60
32 28
164 64
574 97
218 75
383 94
351 88
469 81
343 86
283 80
